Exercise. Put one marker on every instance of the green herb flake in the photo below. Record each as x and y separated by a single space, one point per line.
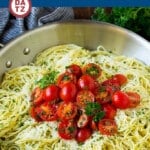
102 89
80 143
67 67
71 129
21 124
47 79
56 129
99 116
91 108
66 78
92 71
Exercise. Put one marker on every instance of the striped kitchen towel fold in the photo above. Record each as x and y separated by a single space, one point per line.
11 27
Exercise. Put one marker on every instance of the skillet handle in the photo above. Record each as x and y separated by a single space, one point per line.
1 45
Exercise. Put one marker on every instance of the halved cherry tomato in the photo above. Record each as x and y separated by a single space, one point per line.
83 121
51 93
34 113
114 83
67 111
111 85
67 129
37 96
68 92
120 78
83 134
110 111
75 69
116 79
120 100
83 97
107 127
65 78
111 89
134 99
86 82
110 82
47 112
92 69
102 95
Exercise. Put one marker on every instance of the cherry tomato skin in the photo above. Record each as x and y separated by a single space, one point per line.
107 127
83 97
34 113
86 82
68 92
120 78
66 111
37 96
134 99
93 125
74 69
97 84
116 79
110 82
47 112
83 121
92 69
120 100
51 93
67 130
110 111
65 78
83 134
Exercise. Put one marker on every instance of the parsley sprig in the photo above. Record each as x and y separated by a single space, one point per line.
94 109
47 79
135 19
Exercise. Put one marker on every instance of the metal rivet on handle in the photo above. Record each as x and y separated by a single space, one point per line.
26 51
8 64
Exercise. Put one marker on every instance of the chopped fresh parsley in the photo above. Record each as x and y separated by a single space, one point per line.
94 109
71 129
99 116
21 124
91 108
47 79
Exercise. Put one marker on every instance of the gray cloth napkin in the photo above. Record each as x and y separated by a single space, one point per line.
11 27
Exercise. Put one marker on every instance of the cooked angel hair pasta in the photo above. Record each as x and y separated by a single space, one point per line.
18 131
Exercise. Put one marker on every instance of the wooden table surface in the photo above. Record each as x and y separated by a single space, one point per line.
83 12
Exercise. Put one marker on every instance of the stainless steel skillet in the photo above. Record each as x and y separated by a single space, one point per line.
88 34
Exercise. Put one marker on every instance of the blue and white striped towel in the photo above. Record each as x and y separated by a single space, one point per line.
11 27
